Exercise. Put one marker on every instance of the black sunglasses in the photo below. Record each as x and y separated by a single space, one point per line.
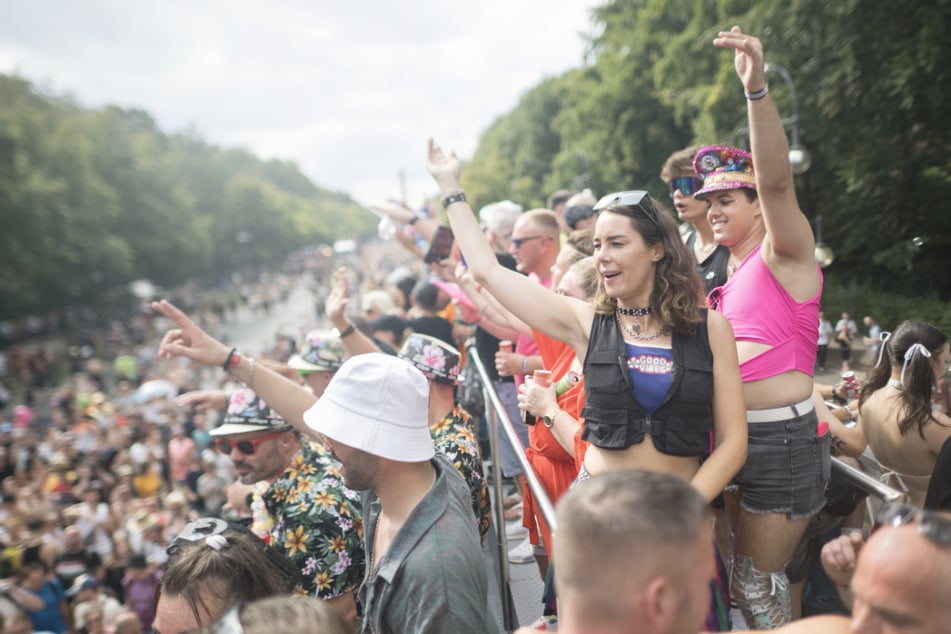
688 185
247 447
933 525
634 198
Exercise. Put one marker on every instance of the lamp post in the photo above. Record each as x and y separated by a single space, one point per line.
824 253
799 157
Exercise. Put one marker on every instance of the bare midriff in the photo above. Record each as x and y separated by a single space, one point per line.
642 456
786 388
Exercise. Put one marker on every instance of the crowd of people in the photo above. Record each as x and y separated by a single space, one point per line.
660 376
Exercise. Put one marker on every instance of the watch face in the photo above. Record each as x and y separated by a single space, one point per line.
548 420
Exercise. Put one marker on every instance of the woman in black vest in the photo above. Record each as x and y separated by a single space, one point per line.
655 362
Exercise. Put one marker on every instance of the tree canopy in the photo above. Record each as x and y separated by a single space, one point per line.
91 200
874 100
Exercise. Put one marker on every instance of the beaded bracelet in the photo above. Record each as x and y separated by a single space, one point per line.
251 372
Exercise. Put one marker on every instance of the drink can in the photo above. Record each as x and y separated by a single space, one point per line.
566 382
506 346
542 377
851 385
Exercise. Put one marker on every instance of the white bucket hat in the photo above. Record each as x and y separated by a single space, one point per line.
379 404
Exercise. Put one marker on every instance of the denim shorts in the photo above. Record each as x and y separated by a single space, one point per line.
787 467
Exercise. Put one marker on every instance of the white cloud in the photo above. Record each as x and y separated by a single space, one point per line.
349 91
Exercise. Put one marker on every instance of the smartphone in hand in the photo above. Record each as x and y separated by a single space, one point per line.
440 246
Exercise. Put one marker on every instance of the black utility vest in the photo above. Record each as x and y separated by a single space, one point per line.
614 419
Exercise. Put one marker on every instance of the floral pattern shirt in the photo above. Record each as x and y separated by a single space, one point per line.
316 522
454 437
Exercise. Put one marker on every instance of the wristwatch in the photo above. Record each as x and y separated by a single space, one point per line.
549 419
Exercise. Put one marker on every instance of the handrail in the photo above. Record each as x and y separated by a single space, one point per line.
538 491
497 413
867 483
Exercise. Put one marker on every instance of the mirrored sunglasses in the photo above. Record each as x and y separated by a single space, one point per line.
688 185
931 524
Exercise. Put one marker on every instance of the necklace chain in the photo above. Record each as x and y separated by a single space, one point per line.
635 331
635 312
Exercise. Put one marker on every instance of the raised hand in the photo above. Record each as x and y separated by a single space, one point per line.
747 57
188 340
400 213
444 169
202 400
336 303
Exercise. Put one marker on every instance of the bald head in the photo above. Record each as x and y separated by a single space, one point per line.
901 583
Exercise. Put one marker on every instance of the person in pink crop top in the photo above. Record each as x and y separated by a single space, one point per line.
771 299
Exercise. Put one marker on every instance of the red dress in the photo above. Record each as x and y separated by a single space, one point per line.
555 467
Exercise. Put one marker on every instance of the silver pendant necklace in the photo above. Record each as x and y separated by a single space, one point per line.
634 331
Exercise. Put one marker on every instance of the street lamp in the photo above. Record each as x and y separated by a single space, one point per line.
799 158
824 253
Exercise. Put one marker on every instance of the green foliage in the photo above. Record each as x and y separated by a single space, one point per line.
874 96
91 200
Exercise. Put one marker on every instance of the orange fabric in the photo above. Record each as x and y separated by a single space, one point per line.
554 466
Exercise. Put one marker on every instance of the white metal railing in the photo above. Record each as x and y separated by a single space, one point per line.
496 413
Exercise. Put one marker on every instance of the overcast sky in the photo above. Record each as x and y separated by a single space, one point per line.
347 90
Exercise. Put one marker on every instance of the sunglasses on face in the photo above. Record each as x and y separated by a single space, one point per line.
932 525
636 198
247 447
688 185
518 241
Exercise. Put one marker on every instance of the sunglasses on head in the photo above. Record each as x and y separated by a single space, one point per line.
247 447
635 198
688 185
518 241
931 524
195 531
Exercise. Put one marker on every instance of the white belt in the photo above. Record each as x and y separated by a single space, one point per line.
775 414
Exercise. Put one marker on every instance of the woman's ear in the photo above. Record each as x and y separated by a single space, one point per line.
658 252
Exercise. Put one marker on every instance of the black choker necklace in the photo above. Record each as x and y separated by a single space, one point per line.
635 312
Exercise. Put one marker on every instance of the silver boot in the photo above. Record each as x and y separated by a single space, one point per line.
762 597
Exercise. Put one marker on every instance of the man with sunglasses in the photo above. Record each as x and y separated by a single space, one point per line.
898 579
299 505
683 182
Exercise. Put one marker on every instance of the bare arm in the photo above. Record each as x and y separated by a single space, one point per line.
288 399
729 412
541 401
562 318
849 440
788 234
336 306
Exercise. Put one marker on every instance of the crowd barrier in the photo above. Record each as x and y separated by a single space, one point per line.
495 413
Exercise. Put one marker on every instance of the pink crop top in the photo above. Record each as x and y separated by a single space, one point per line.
759 309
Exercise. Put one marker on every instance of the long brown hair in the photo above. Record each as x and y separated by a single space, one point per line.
918 384
677 297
